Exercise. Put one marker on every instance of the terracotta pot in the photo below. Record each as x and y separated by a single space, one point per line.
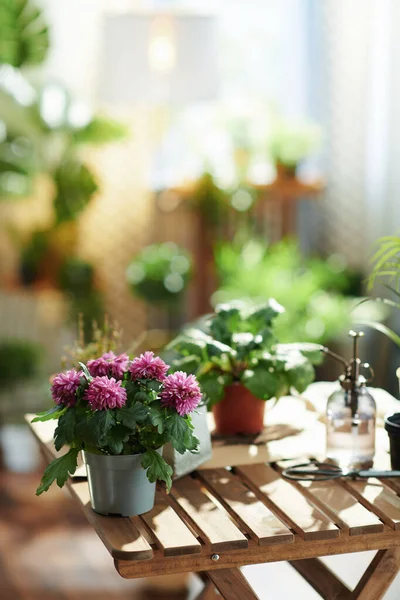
285 171
239 412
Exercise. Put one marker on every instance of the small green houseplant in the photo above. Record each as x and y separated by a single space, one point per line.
291 142
239 364
160 273
120 413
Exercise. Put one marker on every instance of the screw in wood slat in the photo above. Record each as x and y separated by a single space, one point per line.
215 557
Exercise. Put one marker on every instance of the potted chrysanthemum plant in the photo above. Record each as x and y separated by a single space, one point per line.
120 413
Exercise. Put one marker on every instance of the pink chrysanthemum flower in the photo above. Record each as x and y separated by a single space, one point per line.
104 393
181 391
64 386
108 364
148 366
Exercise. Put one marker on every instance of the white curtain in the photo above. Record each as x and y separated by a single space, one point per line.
356 89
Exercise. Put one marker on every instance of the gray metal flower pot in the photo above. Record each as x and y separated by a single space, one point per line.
118 484
183 464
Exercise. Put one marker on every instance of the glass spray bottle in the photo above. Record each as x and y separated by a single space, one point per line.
351 415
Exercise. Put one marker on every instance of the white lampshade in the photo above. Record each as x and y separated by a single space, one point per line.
158 59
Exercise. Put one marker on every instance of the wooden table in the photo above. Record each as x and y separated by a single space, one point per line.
218 520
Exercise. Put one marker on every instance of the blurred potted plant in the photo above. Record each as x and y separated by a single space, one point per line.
160 273
43 133
239 364
120 413
317 293
290 143
20 361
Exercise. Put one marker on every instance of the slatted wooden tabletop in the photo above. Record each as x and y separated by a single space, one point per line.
230 517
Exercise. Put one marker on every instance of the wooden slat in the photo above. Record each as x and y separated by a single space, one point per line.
258 554
378 498
245 507
342 507
378 577
232 584
206 517
171 534
289 503
119 534
321 579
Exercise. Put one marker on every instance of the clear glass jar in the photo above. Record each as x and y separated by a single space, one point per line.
350 434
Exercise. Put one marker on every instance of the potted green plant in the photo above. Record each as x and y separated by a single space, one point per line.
160 273
290 143
239 364
120 413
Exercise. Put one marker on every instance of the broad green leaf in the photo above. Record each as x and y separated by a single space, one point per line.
300 373
216 348
24 37
260 317
188 364
311 351
188 346
93 429
100 130
213 385
180 433
137 413
75 186
157 416
65 430
116 438
157 469
261 382
58 470
53 413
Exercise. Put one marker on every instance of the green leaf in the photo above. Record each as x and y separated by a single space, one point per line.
300 372
225 322
261 316
153 385
53 413
180 433
188 364
188 346
116 438
213 385
383 329
137 413
100 130
65 431
58 470
157 417
23 34
85 371
217 349
157 468
95 427
261 382
75 186
311 351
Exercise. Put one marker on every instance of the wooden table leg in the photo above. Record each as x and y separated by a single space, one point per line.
321 579
209 592
231 584
379 575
